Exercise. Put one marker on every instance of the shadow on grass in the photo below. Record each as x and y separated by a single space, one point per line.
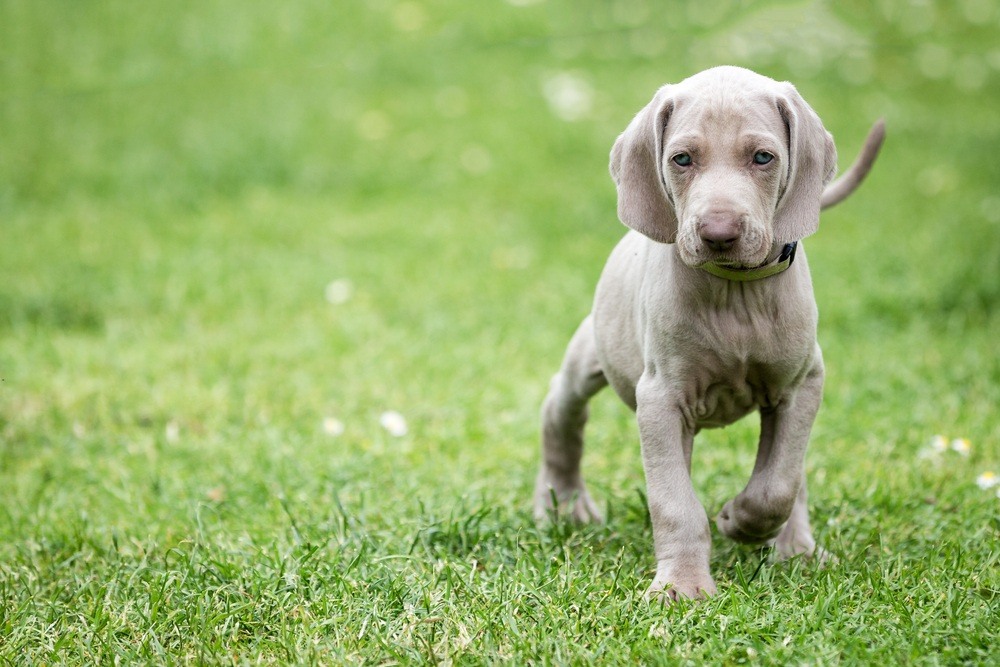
50 311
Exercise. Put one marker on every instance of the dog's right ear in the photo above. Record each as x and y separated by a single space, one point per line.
637 169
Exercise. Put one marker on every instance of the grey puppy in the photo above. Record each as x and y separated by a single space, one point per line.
701 315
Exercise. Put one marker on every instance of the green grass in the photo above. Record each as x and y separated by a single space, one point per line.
179 186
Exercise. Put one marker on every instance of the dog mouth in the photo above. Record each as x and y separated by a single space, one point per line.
742 258
749 252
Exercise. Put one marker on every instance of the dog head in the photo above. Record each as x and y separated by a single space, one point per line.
726 164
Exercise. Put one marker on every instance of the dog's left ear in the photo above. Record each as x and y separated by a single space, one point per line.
812 163
637 169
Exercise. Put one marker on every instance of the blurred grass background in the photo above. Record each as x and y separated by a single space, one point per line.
179 185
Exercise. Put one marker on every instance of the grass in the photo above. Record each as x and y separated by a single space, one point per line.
178 187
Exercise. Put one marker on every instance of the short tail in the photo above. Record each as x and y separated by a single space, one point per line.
849 181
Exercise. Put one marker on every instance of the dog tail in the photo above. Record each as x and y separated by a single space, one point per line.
849 181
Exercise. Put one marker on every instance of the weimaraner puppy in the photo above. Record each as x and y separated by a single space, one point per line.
701 315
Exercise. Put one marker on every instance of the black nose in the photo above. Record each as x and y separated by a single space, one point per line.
720 231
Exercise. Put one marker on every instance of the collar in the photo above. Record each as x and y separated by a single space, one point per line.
765 270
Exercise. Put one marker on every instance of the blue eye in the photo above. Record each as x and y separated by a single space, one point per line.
682 160
762 157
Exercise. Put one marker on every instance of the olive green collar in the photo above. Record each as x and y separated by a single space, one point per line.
765 270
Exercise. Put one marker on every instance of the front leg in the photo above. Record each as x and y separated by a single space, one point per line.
777 485
681 537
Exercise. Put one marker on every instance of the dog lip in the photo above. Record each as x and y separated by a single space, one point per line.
733 264
731 259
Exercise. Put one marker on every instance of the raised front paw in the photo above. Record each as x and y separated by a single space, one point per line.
746 527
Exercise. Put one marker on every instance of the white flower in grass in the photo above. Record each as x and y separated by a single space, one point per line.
988 480
333 426
172 431
339 291
569 95
962 446
394 423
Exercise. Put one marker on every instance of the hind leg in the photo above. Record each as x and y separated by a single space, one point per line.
564 414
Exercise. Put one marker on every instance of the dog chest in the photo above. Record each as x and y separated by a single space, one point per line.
713 396
721 371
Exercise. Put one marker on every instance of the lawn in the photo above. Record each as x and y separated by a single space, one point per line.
282 286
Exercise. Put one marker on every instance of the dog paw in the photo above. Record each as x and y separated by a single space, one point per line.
800 544
815 554
573 503
796 541
823 558
694 587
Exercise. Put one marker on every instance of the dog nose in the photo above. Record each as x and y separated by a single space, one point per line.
720 231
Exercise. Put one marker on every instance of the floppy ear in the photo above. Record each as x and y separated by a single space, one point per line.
637 169
812 163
